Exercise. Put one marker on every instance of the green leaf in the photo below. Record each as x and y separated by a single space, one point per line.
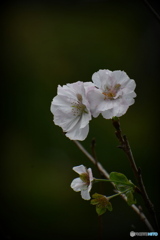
130 198
121 181
115 176
100 210
102 203
123 184
94 201
97 195
109 206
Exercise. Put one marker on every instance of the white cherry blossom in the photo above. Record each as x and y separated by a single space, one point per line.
71 109
113 94
83 183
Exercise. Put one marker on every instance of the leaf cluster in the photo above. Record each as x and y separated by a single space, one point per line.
102 203
124 186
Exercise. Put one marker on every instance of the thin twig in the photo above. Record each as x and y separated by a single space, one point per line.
100 218
106 175
93 144
152 10
124 145
94 155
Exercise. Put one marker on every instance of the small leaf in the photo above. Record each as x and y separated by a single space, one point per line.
96 195
121 181
109 206
119 177
100 210
123 184
115 176
94 201
102 203
130 198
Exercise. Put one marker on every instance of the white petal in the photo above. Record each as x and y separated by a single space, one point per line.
121 110
85 195
105 105
88 85
89 187
63 115
84 120
96 79
65 120
120 77
101 78
77 88
80 169
95 97
60 102
108 114
77 184
66 92
130 87
90 174
78 133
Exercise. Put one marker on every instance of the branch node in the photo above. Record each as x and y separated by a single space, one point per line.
121 147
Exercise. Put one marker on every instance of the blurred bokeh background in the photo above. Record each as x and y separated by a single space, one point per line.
46 44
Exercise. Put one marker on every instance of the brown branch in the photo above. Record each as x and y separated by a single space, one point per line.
106 175
124 145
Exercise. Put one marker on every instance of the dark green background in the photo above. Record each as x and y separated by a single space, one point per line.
48 44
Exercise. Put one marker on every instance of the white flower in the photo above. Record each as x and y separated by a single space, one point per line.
113 94
71 110
84 182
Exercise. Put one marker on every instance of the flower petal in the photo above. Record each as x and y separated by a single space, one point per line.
108 114
80 169
101 77
78 133
95 98
66 92
64 120
85 118
77 184
130 87
120 77
89 170
85 194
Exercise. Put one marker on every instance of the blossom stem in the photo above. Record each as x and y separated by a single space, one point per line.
106 175
105 180
117 194
125 146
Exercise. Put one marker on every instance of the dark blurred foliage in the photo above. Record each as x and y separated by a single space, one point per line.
45 44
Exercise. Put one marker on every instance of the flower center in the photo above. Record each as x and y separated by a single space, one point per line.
110 93
85 178
78 108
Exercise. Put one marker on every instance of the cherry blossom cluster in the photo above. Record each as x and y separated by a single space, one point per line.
110 93
85 181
